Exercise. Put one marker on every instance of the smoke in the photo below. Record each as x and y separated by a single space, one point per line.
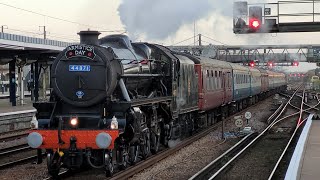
161 19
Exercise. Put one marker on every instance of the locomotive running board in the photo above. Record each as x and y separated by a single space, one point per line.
139 102
145 101
142 75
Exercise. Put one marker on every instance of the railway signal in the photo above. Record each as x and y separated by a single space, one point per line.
255 18
254 24
270 64
252 64
295 63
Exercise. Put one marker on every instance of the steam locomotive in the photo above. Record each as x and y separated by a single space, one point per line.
114 101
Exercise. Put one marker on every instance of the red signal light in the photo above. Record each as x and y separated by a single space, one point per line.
252 64
254 23
295 63
270 64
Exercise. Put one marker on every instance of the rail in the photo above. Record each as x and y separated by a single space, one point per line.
236 155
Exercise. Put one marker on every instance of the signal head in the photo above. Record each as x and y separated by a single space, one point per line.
270 64
295 63
252 64
254 24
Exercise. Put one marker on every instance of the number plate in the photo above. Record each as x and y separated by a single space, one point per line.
79 68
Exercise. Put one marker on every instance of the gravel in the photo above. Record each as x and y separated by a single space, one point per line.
15 142
193 158
259 161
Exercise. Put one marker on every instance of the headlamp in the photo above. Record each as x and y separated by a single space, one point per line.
74 121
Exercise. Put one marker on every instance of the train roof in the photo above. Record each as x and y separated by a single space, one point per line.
263 71
184 59
239 67
275 73
254 70
217 63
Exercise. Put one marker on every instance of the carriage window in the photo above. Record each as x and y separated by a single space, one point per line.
242 78
222 80
238 79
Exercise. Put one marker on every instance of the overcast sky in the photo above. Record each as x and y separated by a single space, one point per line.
165 21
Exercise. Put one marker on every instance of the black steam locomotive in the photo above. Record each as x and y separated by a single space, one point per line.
114 101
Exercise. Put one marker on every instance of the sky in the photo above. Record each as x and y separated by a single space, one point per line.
166 22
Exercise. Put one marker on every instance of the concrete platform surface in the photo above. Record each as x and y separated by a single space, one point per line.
310 165
5 106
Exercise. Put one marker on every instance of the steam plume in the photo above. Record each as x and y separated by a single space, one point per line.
161 19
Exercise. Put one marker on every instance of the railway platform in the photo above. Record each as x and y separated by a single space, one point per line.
6 107
6 95
305 161
17 117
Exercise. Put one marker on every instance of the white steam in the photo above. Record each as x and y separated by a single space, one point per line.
161 19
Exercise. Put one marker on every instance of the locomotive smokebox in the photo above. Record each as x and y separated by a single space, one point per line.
89 37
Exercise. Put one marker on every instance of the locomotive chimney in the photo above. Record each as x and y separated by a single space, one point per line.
89 37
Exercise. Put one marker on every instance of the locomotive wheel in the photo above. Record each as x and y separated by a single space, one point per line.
155 141
133 154
53 164
145 145
208 119
123 159
213 118
109 169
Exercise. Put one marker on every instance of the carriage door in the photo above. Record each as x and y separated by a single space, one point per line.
224 85
228 90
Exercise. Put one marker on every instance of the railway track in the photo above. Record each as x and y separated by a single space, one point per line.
13 151
13 135
16 162
219 165
11 156
294 134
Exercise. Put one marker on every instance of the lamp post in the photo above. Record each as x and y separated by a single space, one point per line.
3 27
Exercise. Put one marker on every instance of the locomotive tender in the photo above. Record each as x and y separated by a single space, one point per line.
114 101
